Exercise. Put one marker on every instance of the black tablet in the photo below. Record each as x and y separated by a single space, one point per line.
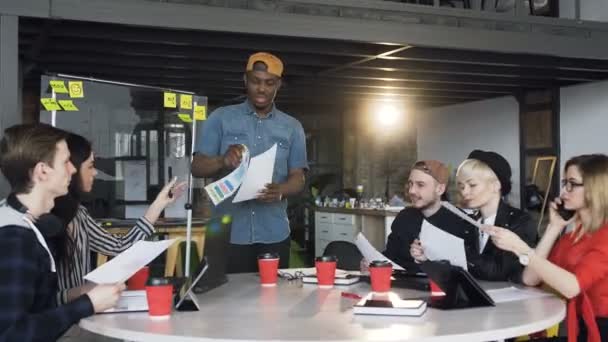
460 288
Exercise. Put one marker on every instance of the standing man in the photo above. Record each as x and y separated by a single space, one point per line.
426 184
260 225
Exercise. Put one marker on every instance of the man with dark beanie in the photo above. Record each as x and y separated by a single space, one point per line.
484 181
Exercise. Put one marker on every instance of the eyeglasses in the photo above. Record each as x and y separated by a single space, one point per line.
570 185
291 277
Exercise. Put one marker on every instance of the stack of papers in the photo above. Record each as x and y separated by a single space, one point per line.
509 294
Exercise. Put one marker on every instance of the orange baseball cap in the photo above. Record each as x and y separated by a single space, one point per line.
435 169
273 63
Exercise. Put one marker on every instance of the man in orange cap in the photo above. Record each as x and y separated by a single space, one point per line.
260 225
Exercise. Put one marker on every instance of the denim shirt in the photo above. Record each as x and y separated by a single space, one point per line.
254 221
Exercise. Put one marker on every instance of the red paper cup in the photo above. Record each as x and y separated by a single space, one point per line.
268 265
380 272
435 289
139 279
159 293
326 270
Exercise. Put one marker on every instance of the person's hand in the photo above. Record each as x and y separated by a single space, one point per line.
272 193
104 297
233 156
556 221
364 266
417 252
170 192
506 240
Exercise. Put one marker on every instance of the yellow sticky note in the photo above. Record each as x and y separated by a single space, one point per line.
185 101
58 86
50 104
76 89
68 105
170 100
200 113
185 117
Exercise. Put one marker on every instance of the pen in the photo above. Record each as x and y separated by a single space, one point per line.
350 295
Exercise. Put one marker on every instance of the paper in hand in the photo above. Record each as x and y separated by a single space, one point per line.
258 175
440 245
460 214
125 264
220 190
370 253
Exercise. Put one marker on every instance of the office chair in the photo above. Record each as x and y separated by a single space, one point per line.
349 257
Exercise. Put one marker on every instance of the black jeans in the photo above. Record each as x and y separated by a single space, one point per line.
244 258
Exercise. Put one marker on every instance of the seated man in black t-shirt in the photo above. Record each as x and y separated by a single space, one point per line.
425 187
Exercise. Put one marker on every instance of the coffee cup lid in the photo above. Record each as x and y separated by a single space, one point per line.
326 258
268 256
380 263
158 281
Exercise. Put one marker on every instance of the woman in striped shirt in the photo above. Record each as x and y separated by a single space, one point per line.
82 234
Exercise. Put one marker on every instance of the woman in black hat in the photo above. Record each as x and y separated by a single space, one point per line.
484 180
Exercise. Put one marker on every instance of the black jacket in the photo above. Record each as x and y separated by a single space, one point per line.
498 265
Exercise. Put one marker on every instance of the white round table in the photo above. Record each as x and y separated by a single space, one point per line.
242 310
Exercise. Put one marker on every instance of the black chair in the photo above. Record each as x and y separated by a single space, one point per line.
349 257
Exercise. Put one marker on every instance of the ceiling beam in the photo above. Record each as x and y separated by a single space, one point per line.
391 22
486 70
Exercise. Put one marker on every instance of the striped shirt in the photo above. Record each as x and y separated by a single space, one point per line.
89 237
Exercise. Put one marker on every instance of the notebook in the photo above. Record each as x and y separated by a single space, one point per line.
342 277
389 304
130 301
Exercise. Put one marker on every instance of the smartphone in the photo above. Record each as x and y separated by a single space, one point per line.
566 214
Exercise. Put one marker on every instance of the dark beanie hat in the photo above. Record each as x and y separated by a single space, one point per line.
498 164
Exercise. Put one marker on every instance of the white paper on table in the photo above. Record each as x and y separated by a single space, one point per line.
125 264
440 245
221 189
258 175
370 253
513 293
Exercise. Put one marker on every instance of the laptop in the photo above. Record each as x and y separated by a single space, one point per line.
211 272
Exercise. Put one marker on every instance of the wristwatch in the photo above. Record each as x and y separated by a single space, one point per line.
524 258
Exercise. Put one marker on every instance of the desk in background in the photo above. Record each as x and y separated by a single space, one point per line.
242 310
172 229
341 224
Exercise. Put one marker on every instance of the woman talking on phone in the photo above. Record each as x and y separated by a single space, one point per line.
575 264
82 234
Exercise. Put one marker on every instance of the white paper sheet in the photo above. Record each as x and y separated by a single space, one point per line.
460 214
221 189
370 253
125 264
440 245
512 293
258 175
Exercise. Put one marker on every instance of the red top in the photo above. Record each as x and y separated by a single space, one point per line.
587 259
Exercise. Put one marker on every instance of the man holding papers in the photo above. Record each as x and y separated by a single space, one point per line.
426 184
259 225
36 162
